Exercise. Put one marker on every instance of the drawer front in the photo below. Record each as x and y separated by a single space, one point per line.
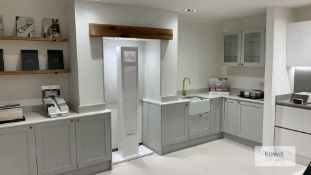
293 118
302 142
199 125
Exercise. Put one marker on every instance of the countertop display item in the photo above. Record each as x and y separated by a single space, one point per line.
51 28
25 26
30 60
1 61
1 25
11 113
55 59
218 87
53 103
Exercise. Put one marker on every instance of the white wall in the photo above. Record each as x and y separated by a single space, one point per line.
244 77
198 51
89 55
26 89
277 77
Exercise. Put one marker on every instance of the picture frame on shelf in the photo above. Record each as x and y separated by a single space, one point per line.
1 25
25 26
51 28
1 61
55 59
30 60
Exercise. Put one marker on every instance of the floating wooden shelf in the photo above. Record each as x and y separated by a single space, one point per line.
35 72
20 38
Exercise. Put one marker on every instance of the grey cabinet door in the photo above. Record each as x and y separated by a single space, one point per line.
250 121
230 116
199 125
93 140
216 113
232 48
56 147
174 123
17 151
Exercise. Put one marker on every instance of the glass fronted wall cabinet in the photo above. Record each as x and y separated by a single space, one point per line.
245 48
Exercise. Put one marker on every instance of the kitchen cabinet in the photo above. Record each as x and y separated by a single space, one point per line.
56 147
253 48
298 44
216 113
250 121
17 151
66 145
174 123
246 48
243 119
199 125
93 140
232 47
230 117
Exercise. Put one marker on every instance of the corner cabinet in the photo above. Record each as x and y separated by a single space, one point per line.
245 48
243 119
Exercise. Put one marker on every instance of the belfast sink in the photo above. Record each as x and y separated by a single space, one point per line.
198 105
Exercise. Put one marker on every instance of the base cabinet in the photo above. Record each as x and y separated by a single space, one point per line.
230 116
17 151
243 119
174 123
216 113
93 142
57 147
199 125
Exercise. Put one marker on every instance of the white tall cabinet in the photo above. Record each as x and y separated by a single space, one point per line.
298 44
246 48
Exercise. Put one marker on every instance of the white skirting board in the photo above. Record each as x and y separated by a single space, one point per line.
142 152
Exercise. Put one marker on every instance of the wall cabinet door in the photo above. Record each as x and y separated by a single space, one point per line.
199 125
232 48
216 113
250 121
253 48
230 116
298 44
93 140
17 151
56 147
174 123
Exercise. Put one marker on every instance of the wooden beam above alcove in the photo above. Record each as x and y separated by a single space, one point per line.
119 31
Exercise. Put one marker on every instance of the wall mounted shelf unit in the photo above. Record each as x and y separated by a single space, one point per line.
61 71
19 38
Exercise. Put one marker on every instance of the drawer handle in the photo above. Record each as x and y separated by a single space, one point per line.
71 121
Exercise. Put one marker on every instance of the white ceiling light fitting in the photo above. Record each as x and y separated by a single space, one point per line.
193 11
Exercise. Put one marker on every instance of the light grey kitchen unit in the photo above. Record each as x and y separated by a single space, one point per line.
243 121
168 127
78 144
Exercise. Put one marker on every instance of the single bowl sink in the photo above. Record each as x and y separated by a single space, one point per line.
198 105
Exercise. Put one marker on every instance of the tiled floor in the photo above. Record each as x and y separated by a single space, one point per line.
221 157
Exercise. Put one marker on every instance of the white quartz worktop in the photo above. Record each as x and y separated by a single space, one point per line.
233 96
41 117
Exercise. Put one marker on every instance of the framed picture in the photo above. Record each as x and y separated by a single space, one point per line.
51 28
25 26
30 60
1 25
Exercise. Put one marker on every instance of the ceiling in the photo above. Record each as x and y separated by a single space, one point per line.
213 9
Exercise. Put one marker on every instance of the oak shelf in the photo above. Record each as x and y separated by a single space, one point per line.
20 38
61 71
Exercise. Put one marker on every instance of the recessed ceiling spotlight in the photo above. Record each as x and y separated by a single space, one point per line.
193 11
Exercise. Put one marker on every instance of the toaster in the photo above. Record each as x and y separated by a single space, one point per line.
253 94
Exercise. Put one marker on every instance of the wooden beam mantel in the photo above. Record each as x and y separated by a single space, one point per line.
107 30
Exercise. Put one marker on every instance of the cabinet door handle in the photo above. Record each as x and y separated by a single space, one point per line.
71 121
78 120
30 127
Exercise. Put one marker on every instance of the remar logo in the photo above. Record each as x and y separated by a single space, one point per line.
278 154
